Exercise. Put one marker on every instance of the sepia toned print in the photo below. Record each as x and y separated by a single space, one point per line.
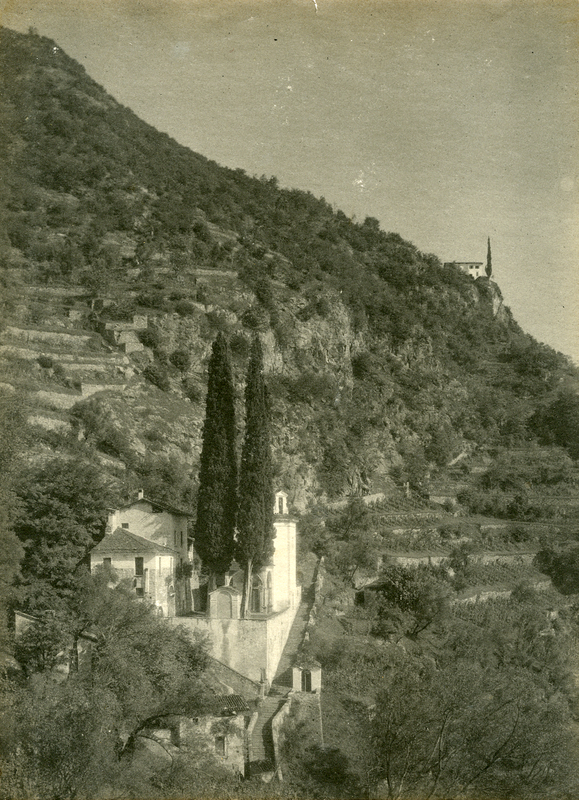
289 399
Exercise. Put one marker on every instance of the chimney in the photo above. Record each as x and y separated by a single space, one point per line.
140 494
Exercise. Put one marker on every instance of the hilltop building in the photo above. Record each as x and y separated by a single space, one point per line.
474 268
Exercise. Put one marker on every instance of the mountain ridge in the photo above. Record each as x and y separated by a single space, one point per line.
383 364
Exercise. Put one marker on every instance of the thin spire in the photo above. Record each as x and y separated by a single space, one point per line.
489 268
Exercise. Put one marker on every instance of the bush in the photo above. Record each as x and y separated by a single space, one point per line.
45 361
520 533
59 373
157 375
151 299
151 337
185 308
181 359
239 345
312 386
162 357
256 318
218 321
323 307
202 294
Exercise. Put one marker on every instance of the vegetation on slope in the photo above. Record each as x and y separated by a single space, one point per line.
425 360
384 366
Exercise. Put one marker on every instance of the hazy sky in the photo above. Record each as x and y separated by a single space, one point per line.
448 121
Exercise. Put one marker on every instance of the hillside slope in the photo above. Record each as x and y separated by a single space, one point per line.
124 253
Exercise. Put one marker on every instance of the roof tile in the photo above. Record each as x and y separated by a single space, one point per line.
123 541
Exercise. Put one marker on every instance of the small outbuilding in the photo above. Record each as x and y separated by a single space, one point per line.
307 675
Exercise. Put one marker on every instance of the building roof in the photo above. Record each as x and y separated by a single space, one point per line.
156 506
229 703
122 540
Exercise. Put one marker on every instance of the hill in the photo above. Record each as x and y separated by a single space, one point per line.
124 253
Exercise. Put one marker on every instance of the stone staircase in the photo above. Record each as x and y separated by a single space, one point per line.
283 676
262 754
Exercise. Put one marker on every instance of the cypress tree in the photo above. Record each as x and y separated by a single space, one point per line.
255 529
217 497
489 266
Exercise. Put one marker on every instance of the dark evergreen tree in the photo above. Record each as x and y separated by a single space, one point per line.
217 498
256 496
489 266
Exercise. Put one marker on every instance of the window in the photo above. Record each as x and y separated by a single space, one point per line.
139 583
220 745
257 595
106 562
125 524
280 505
181 538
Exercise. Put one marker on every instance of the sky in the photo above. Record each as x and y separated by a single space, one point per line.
447 120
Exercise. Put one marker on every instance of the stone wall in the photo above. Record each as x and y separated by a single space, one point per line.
232 680
248 646
71 341
209 729
60 400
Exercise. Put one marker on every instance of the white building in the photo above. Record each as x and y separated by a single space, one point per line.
146 542
474 268
253 645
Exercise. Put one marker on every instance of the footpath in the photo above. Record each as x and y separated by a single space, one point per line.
262 759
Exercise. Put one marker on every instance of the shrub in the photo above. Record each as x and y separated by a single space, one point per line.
312 386
58 372
239 345
283 332
162 357
45 362
256 318
181 359
151 337
201 231
202 294
157 375
218 321
185 308
113 442
151 299
323 307
520 533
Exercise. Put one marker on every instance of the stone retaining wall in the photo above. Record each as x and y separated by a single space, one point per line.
71 340
58 400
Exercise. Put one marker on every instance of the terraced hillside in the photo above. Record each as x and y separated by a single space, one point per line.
125 253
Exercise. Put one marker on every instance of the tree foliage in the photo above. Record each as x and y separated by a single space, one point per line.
256 495
217 497
467 732
411 599
558 422
62 513
66 730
